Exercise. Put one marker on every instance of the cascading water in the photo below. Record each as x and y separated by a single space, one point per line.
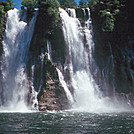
71 12
16 43
49 51
61 77
64 85
79 62
17 91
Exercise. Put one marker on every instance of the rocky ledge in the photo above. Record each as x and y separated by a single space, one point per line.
52 95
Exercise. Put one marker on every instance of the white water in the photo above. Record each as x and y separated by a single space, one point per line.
49 50
80 44
61 77
16 42
64 85
71 12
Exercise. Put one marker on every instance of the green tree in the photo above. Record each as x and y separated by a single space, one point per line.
49 11
2 13
8 4
83 3
30 4
4 7
93 2
67 3
11 3
107 20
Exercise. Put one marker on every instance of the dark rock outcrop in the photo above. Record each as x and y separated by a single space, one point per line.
2 30
52 95
82 14
42 71
114 49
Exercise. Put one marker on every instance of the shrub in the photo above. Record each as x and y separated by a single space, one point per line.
30 4
49 9
67 3
107 20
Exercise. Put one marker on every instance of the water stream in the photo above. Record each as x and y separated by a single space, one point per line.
79 41
16 43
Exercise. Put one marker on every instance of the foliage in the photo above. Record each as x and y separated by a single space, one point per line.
67 3
83 4
2 10
92 2
2 13
105 11
11 3
49 10
116 11
4 7
113 24
30 4
108 23
7 5
48 3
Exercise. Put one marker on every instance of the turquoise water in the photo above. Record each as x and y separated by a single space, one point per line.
66 123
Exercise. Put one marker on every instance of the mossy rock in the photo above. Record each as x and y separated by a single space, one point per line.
79 13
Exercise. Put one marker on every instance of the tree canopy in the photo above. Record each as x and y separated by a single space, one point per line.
6 5
11 3
49 11
67 3
29 3
83 3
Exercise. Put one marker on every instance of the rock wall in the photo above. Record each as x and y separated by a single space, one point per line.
52 95
2 28
114 48
42 71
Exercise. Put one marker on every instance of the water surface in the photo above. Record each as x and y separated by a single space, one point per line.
66 123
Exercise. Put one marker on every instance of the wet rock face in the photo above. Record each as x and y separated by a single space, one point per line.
82 14
79 13
53 98
52 95
42 71
114 50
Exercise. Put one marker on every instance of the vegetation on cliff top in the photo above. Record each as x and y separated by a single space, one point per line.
50 10
67 3
30 4
112 13
105 12
4 7
83 4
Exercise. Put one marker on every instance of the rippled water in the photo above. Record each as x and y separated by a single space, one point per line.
66 123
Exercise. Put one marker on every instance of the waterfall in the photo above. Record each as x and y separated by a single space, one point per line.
16 43
64 85
61 77
71 12
49 50
79 60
